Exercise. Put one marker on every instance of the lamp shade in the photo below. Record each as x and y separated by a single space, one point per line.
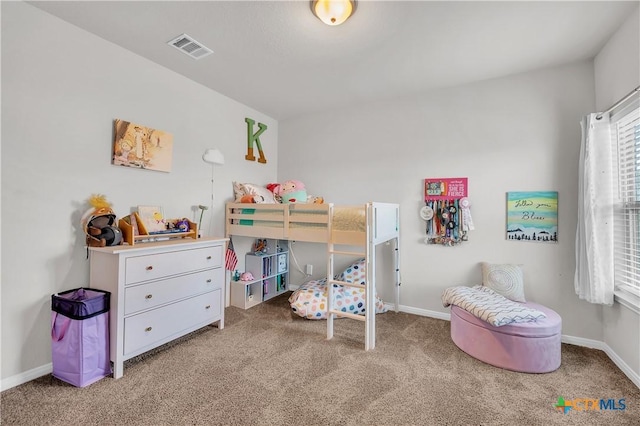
333 12
213 156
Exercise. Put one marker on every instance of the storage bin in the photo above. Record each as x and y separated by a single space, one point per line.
80 335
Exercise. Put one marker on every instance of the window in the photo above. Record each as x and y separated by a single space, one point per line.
625 127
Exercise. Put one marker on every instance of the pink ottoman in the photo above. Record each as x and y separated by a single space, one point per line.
532 347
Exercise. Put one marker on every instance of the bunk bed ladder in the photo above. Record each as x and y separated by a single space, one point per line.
370 313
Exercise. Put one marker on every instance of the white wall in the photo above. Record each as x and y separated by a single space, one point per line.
617 65
617 72
61 90
519 133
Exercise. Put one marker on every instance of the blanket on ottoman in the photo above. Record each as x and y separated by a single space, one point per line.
489 306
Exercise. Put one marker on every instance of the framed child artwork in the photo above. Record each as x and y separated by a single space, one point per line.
141 147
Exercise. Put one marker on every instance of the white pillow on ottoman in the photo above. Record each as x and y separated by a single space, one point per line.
505 279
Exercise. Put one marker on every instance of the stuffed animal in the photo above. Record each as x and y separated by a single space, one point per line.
249 198
98 224
292 191
246 276
274 188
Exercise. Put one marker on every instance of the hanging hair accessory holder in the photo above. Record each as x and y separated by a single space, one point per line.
426 213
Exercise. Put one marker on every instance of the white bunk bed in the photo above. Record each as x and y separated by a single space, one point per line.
341 228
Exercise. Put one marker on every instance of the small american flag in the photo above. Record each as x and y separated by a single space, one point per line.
231 260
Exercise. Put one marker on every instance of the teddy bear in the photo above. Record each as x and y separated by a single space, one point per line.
292 191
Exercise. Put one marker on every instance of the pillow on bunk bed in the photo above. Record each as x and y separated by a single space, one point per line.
310 299
355 273
261 195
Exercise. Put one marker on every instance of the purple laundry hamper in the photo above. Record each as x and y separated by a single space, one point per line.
80 336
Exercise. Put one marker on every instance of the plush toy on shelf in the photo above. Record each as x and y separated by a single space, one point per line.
246 276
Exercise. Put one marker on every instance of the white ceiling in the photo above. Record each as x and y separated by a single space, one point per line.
278 58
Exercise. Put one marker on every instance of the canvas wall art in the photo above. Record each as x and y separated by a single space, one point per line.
141 147
532 216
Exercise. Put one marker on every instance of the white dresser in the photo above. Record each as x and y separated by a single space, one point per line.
159 292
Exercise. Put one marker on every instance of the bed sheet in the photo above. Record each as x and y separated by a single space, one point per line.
310 299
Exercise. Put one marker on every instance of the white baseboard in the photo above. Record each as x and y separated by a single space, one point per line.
25 377
628 371
585 343
421 312
594 344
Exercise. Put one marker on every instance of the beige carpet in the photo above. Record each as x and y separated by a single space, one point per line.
270 367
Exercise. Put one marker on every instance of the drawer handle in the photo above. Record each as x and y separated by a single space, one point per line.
208 257
209 280
147 329
149 268
207 307
148 296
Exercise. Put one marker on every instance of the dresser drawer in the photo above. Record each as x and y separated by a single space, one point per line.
156 293
150 328
154 266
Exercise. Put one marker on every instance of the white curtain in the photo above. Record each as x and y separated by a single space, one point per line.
594 279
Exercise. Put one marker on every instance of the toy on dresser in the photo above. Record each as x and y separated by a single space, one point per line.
99 222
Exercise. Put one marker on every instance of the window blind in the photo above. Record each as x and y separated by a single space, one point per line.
626 131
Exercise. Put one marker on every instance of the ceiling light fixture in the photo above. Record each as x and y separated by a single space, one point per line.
333 12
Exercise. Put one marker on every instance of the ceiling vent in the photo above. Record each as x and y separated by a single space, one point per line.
186 44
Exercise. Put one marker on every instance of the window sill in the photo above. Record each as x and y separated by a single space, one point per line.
628 300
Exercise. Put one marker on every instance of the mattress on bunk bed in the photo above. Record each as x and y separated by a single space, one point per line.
349 219
310 299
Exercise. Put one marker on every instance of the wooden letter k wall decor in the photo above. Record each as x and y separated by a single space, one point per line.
254 138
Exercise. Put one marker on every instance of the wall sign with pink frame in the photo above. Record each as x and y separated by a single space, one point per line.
447 211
